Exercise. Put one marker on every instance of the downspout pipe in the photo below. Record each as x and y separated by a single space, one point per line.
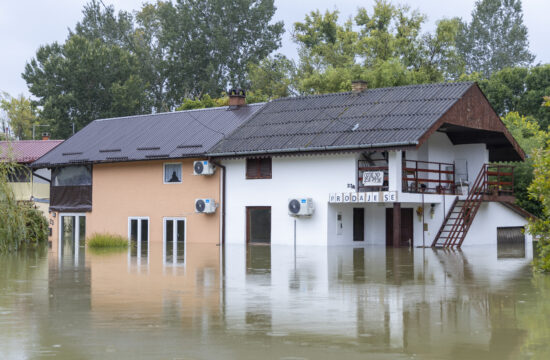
223 197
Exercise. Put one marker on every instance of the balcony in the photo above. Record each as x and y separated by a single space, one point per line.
431 177
428 177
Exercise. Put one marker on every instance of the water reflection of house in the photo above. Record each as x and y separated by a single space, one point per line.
416 302
141 176
29 185
185 293
399 166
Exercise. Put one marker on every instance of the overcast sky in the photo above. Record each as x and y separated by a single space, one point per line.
27 24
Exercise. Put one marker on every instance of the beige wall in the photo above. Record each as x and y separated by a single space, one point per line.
25 190
122 190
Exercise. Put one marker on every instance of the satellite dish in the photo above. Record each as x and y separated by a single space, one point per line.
294 206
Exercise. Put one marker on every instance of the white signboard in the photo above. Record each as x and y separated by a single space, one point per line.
363 197
373 178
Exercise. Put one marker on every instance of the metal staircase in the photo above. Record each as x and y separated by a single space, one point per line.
492 183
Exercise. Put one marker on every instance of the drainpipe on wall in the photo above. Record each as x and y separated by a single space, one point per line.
223 199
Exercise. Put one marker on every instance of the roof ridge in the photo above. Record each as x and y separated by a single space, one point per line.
225 107
446 83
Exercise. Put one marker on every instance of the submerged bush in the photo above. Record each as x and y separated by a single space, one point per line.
107 241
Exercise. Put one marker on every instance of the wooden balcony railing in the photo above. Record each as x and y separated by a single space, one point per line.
499 179
428 177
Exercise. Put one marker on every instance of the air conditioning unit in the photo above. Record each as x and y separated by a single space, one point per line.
203 167
300 207
205 206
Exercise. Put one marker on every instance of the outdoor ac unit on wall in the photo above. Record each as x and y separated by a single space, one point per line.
300 207
205 206
203 167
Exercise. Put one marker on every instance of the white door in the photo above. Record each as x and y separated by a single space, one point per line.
173 249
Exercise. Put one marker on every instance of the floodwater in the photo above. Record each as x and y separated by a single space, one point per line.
274 303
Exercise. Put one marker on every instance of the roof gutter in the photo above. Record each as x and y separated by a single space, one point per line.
319 148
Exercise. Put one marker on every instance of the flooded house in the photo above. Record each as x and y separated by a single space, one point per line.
420 165
28 184
145 177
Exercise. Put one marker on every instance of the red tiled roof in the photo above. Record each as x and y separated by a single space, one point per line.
26 151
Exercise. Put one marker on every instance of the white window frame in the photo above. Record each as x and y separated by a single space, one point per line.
139 219
174 245
164 173
76 231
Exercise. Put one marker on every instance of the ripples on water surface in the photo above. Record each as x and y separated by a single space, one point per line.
267 303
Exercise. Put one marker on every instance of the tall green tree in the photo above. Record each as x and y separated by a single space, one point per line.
385 47
20 116
527 132
83 80
209 44
272 78
518 89
496 37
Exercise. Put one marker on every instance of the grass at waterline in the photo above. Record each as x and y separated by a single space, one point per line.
107 241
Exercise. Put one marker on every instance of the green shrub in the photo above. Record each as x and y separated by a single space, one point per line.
36 226
104 241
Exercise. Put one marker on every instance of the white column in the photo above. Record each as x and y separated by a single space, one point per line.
395 171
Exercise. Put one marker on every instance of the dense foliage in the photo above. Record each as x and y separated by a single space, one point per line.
540 191
496 37
20 224
117 64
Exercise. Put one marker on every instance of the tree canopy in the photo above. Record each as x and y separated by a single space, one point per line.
20 115
496 37
117 64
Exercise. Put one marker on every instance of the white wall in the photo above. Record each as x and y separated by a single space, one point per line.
313 176
475 155
317 176
490 216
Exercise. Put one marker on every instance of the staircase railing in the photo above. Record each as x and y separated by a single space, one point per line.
469 210
447 217
492 180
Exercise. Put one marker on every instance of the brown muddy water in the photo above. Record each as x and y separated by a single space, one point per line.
272 303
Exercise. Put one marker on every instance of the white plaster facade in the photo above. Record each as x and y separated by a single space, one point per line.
316 176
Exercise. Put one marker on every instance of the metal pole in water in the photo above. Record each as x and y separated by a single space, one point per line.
294 244
423 237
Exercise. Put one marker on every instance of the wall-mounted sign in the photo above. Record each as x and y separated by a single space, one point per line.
373 178
363 197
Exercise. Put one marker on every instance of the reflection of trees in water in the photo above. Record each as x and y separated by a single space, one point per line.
18 267
533 313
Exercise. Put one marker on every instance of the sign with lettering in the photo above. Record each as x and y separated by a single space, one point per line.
373 178
363 197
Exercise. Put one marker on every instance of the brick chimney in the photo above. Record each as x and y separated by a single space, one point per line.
45 136
237 98
358 86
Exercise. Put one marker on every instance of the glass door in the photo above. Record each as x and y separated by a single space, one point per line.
174 241
72 237
138 236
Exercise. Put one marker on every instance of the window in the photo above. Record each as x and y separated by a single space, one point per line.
138 235
72 176
172 173
258 168
174 241
21 174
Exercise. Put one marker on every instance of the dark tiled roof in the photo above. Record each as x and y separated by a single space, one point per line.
26 151
395 116
147 137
